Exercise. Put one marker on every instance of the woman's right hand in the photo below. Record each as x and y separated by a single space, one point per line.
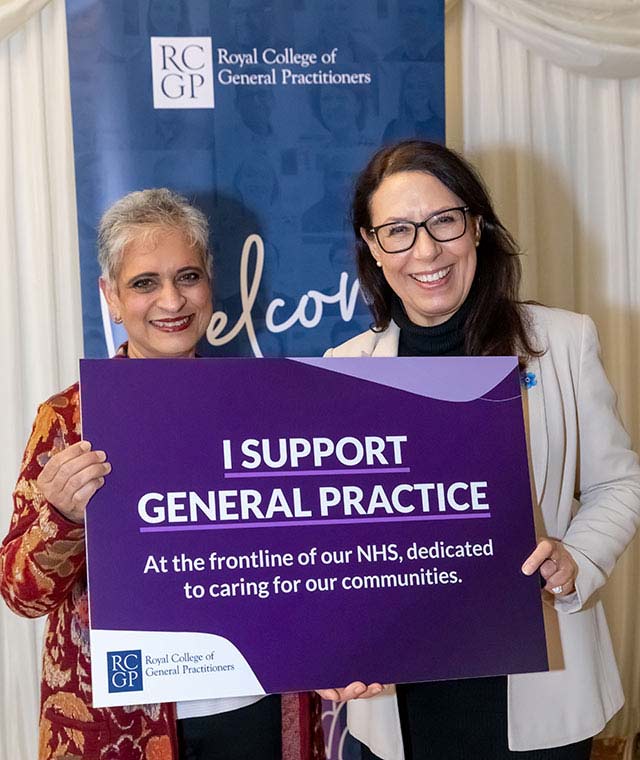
355 690
71 477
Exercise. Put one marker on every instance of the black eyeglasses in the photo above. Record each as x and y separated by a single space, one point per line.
443 226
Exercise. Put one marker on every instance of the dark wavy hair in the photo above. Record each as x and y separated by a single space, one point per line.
496 325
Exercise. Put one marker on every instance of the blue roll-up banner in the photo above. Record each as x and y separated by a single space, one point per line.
261 112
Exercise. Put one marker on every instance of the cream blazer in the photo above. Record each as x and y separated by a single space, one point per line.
586 488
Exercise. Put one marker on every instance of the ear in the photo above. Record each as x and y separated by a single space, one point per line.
370 239
111 297
477 229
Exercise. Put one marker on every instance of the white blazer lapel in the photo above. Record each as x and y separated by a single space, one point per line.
535 415
387 343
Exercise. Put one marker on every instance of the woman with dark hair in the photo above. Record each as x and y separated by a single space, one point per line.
441 275
496 323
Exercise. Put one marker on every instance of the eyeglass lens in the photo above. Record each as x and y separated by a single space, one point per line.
400 236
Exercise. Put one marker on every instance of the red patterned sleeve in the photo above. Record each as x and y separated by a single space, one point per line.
43 553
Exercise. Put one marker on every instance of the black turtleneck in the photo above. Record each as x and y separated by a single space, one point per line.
446 339
474 711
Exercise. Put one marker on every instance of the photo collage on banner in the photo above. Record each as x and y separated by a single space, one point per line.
261 112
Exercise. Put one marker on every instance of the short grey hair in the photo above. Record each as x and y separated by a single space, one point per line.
145 212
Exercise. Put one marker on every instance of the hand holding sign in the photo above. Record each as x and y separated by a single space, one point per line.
355 690
555 564
71 477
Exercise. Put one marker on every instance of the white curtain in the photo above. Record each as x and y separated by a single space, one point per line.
15 13
40 318
551 117
543 96
599 39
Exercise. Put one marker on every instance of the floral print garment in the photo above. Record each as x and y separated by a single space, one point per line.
42 572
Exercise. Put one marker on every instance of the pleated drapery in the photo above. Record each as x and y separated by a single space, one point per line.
555 131
600 39
40 315
15 13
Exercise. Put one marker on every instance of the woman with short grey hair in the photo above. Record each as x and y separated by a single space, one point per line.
156 278
147 211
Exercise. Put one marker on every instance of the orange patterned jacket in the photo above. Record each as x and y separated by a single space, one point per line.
42 572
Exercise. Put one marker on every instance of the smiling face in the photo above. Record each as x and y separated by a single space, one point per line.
162 294
431 279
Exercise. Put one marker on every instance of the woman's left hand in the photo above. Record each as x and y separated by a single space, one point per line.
355 690
555 564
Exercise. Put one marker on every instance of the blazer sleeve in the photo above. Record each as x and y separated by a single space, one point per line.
608 478
43 553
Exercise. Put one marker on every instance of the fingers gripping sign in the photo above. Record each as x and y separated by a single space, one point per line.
71 477
555 564
355 690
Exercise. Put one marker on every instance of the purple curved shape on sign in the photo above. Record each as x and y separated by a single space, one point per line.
425 376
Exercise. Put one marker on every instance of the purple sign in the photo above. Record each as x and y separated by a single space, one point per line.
276 525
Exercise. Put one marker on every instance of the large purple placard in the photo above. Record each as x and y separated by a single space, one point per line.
279 525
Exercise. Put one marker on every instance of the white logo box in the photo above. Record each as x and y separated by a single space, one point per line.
182 69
